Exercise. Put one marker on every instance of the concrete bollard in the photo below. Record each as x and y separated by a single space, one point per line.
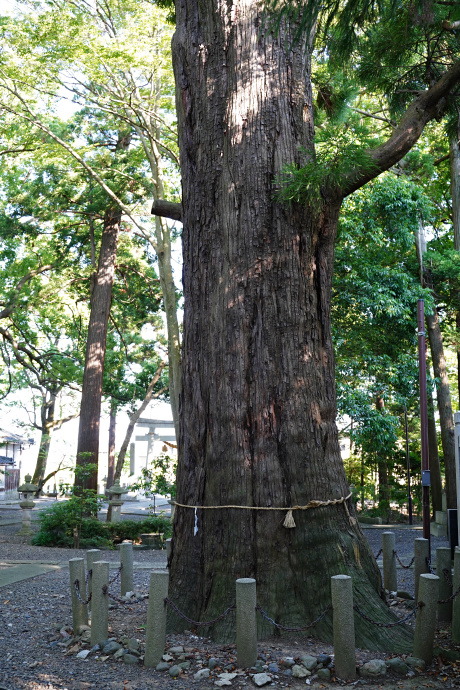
155 634
100 603
79 610
246 624
425 623
456 602
91 556
421 553
389 562
344 627
443 562
126 561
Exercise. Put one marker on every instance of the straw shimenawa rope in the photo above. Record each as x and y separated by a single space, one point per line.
289 519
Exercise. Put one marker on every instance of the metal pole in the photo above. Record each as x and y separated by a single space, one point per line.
409 495
424 422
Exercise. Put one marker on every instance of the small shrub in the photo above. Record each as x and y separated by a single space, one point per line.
58 523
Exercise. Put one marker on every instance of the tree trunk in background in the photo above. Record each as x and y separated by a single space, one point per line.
438 359
384 489
258 408
455 192
134 417
47 425
101 300
446 419
435 470
111 448
168 289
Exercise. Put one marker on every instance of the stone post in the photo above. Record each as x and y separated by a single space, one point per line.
79 610
443 562
126 561
456 602
91 556
421 552
246 624
389 562
425 623
116 491
27 489
172 503
343 627
155 633
100 603
168 547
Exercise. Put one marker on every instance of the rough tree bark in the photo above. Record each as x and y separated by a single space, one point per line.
258 401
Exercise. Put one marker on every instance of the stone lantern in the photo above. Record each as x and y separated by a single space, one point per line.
115 502
27 489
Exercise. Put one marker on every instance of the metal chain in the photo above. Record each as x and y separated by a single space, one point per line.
117 575
378 554
428 565
105 590
88 575
451 598
77 591
447 576
401 563
197 624
388 625
287 629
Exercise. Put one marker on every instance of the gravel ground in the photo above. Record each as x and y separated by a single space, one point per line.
35 616
404 542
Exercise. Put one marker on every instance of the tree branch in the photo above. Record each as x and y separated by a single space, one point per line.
167 209
450 26
11 305
427 106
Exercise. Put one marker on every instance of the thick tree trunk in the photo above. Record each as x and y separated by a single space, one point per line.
258 396
435 470
101 300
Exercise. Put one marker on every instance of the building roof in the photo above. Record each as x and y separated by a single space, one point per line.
9 437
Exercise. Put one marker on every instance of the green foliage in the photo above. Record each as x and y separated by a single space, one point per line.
337 154
131 529
58 522
160 478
